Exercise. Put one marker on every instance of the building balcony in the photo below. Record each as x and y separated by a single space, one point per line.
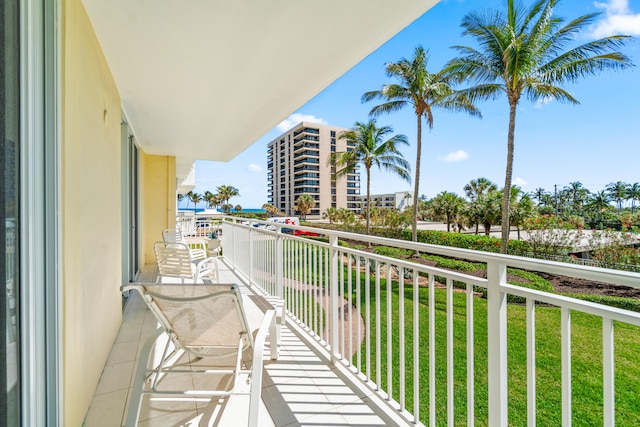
373 340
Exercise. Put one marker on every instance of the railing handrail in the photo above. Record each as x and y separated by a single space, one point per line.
619 277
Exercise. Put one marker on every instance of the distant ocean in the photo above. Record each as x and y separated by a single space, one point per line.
243 210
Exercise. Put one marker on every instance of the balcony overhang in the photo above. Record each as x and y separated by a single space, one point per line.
205 80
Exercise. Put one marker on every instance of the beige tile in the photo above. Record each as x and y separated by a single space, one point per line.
106 410
115 377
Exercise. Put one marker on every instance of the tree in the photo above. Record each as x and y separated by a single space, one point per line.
369 147
423 92
598 203
617 192
225 192
188 196
237 208
578 195
474 189
523 52
449 206
270 209
195 198
213 200
521 208
331 214
304 204
539 194
489 209
633 194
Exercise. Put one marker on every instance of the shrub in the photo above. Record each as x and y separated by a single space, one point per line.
453 264
392 252
631 304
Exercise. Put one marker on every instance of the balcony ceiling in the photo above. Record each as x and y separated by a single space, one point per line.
206 79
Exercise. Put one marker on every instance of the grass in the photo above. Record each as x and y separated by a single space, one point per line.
586 360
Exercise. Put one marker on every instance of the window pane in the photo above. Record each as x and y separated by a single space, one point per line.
9 155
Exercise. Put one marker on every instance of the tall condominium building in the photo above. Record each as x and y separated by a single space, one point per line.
298 164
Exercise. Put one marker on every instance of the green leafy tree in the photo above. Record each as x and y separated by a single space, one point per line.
598 204
474 189
539 194
489 209
523 52
304 204
226 192
195 198
633 194
370 147
331 214
237 208
189 195
578 195
448 206
617 192
422 91
271 210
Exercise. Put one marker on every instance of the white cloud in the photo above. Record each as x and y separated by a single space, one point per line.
254 168
619 19
520 182
296 118
543 101
455 156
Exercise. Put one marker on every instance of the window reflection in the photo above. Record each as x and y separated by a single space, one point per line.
9 187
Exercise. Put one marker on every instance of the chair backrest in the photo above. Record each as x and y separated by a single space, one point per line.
172 235
174 260
206 320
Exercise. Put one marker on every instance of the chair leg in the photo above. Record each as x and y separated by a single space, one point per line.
140 376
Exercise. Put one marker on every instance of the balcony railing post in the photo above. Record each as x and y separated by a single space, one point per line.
251 257
497 335
279 260
333 292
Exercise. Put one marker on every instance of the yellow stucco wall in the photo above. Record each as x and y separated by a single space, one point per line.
91 212
158 196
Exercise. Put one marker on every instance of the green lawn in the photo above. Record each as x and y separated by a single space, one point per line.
586 361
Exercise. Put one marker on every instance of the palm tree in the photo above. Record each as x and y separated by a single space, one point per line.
189 195
225 192
633 194
474 189
449 206
369 148
489 209
522 52
270 209
304 204
213 200
578 195
598 203
195 198
423 92
539 194
617 192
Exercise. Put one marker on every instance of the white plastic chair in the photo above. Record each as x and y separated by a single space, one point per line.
174 260
209 323
197 247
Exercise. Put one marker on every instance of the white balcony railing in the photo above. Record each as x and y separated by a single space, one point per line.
369 310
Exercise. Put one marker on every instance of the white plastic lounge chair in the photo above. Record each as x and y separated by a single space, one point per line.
197 247
206 324
174 260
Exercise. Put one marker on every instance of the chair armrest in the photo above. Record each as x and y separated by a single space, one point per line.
207 270
256 368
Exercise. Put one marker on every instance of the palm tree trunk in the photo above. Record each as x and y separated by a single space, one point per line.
414 228
506 197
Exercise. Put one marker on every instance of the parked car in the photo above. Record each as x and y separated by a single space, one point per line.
306 233
293 220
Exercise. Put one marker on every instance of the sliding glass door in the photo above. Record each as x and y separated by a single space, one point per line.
9 213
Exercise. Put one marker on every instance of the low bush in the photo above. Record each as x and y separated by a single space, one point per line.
392 252
631 304
453 264
467 241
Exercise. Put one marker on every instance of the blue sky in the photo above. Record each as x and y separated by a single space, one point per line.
596 142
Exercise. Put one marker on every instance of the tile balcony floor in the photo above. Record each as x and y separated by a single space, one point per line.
301 388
